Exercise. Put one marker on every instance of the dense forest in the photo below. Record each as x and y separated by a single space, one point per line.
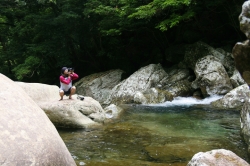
39 37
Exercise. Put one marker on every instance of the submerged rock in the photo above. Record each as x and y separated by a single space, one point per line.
27 135
217 157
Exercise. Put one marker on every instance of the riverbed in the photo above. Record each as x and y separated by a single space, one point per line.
155 135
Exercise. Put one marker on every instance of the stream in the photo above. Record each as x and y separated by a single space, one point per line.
159 134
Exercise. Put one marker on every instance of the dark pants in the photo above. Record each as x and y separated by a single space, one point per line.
67 93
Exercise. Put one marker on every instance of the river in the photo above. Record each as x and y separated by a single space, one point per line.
160 134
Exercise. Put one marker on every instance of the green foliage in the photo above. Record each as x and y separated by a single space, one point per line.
169 12
39 37
26 69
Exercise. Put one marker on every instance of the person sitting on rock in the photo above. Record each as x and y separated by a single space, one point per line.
66 78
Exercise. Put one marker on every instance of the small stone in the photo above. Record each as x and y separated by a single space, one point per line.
81 163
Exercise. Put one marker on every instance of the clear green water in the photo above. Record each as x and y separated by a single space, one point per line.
156 136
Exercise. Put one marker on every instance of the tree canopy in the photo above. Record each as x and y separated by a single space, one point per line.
39 37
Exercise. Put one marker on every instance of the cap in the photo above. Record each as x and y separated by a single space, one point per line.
63 69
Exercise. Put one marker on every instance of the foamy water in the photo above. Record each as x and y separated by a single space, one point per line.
187 101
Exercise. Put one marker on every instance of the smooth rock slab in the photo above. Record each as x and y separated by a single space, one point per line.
27 136
74 113
67 113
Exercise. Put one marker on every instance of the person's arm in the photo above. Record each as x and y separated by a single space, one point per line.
74 76
65 81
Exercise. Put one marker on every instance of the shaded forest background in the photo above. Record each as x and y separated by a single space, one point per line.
39 37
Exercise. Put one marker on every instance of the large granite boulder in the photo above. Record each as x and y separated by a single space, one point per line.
99 85
211 77
67 113
40 92
233 99
152 84
200 49
27 135
220 157
142 80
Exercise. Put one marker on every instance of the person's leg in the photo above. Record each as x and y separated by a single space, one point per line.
72 91
61 93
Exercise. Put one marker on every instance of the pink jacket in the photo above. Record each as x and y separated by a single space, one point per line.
66 82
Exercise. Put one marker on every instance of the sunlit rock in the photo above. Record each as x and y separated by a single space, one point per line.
142 80
152 84
233 99
67 113
74 113
99 85
27 136
211 77
217 157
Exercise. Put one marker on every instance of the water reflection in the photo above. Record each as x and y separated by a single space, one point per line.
157 135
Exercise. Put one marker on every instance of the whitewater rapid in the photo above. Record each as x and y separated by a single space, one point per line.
187 101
